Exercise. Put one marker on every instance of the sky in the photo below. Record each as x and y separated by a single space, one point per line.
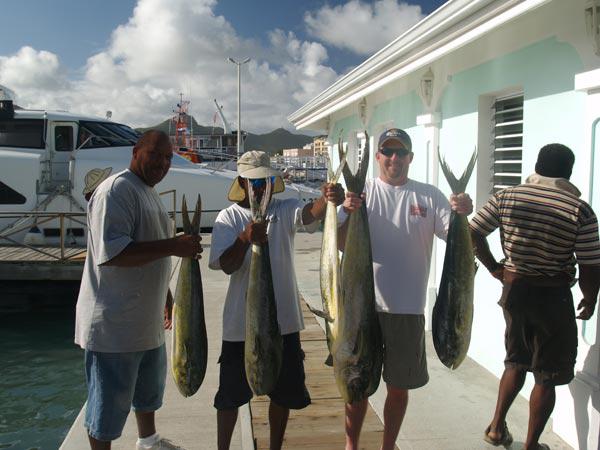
135 57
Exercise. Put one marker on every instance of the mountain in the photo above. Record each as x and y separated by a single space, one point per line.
272 142
275 141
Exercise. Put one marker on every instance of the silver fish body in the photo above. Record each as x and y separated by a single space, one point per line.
330 276
190 344
329 273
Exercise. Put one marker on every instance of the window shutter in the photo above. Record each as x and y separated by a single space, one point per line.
507 142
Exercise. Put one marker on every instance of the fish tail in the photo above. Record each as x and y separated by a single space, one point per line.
356 182
330 174
458 185
187 227
336 176
195 228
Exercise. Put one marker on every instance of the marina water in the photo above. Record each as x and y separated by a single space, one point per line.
42 380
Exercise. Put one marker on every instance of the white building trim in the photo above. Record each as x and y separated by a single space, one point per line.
452 26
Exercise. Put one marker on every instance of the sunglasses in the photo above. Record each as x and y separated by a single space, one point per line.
389 152
258 183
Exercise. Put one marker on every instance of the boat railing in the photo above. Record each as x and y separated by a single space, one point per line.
173 211
26 220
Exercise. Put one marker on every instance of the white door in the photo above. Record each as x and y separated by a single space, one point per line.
61 144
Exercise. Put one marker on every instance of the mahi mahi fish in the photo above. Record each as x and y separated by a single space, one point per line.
263 347
453 310
330 276
190 344
357 348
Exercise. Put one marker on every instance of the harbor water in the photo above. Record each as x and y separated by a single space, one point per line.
42 380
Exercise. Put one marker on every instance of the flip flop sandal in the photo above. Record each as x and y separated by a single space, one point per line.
505 439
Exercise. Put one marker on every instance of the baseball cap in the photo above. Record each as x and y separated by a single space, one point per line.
395 134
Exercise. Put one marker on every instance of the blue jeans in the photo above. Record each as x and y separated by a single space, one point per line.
119 381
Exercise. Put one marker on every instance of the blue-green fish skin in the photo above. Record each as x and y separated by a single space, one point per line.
452 316
263 347
190 343
358 348
263 344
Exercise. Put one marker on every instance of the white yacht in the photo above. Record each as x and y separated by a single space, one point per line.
49 160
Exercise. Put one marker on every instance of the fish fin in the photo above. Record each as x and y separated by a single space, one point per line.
197 213
187 227
321 314
458 185
329 360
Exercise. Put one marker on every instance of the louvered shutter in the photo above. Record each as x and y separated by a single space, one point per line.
507 142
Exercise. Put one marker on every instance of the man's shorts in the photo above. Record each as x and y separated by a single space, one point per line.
290 390
118 381
405 362
541 332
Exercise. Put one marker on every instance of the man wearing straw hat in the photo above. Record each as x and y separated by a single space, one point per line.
93 179
232 236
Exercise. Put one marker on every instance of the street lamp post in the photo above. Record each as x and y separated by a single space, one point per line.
239 127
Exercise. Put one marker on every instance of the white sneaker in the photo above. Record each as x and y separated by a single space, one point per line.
162 444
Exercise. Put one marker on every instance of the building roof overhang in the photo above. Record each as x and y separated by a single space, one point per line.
453 25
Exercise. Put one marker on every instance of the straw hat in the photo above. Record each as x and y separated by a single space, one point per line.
94 177
254 164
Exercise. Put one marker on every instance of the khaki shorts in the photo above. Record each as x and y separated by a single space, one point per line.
405 362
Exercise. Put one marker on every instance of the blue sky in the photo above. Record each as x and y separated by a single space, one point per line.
133 57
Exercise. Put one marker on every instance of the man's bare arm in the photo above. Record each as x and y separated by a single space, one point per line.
233 258
316 210
483 254
589 283
140 253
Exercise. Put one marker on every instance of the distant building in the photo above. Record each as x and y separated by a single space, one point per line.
307 150
320 146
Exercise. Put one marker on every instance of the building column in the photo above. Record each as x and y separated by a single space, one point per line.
431 123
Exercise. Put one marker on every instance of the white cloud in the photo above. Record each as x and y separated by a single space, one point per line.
172 46
360 27
28 67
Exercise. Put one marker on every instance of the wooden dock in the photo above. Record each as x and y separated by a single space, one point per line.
28 263
320 426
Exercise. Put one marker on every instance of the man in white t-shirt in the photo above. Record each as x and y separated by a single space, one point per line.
124 287
404 215
232 236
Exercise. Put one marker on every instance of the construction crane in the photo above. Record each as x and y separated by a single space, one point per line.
226 127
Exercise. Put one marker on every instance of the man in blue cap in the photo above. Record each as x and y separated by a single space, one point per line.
404 216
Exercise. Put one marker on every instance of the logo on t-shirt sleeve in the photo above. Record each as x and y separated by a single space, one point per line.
418 210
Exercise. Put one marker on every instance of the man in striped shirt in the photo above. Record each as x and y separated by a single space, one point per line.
545 229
